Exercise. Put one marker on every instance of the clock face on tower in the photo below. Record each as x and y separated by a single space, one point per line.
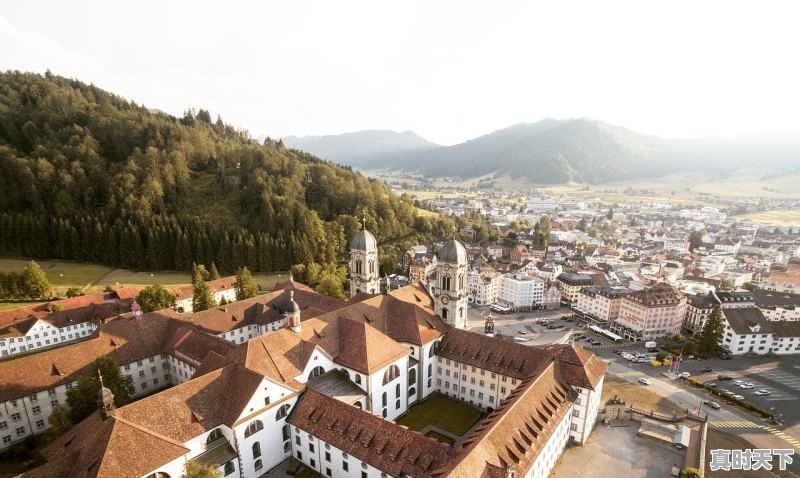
445 300
446 267
358 281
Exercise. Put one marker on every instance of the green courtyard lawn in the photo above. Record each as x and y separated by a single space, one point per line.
442 412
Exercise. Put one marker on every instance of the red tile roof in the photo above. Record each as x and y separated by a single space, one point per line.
386 446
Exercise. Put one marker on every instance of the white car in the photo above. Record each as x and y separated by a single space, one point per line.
644 381
737 382
747 386
762 393
684 374
738 397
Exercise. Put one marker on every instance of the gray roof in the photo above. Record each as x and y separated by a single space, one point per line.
453 252
364 241
766 299
742 319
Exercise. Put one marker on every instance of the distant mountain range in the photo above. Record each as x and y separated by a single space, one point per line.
557 151
371 146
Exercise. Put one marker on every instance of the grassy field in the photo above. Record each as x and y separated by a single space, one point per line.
443 412
777 217
95 277
426 213
637 395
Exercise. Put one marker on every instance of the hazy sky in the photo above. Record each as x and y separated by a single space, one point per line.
449 71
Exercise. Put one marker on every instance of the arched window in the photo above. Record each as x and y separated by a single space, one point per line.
461 313
359 266
282 412
412 391
359 405
432 350
460 281
446 282
430 369
158 474
444 313
397 390
214 436
384 399
316 372
287 432
358 379
391 373
256 450
371 267
230 467
253 427
412 376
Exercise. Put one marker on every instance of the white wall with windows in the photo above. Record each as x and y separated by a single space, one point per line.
44 334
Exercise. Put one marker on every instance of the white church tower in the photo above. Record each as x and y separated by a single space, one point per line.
450 290
364 263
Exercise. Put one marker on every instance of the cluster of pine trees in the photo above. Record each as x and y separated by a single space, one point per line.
90 176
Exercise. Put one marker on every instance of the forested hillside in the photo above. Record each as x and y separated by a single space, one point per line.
90 176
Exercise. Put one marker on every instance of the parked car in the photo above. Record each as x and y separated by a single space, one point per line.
711 385
596 342
684 374
762 393
738 382
705 370
723 378
738 397
747 386
726 392
522 331
714 405
588 339
644 381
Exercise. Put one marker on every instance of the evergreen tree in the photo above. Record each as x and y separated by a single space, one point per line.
34 281
610 214
245 286
202 298
213 274
155 297
82 399
710 338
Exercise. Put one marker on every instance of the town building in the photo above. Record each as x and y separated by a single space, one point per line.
222 290
571 285
650 314
484 287
421 268
600 305
521 292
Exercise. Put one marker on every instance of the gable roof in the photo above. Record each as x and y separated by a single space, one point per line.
114 447
385 445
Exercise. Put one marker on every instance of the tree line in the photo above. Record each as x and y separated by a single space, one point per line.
90 176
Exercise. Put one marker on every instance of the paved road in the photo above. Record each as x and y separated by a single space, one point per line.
728 419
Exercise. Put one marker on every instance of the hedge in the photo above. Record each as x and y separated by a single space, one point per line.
742 403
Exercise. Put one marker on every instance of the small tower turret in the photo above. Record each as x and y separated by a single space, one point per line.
105 399
293 314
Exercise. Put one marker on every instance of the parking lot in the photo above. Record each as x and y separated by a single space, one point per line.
538 327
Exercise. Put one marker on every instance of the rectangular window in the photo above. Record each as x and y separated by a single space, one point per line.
6 439
327 456
36 409
297 440
141 373
33 398
311 447
3 425
39 424
20 431
16 417
53 403
345 466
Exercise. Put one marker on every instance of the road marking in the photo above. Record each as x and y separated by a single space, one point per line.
735 424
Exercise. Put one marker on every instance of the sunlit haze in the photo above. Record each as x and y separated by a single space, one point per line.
448 71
